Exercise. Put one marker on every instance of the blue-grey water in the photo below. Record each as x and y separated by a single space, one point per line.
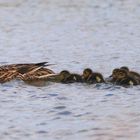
73 34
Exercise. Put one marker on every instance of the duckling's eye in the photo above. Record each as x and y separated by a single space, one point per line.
121 74
114 72
85 73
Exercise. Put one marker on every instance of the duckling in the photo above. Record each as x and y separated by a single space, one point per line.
74 78
92 77
131 73
113 76
123 78
66 77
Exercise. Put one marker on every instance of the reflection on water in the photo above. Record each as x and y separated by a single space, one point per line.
73 35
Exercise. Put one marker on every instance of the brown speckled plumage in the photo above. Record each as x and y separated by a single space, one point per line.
25 72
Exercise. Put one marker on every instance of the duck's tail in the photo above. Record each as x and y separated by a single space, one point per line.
41 64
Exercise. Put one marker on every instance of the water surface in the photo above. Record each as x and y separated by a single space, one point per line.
73 35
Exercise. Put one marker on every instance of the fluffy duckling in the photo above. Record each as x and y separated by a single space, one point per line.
66 77
134 74
123 78
74 78
92 77
113 76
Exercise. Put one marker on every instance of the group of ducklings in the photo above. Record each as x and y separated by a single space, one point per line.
120 76
38 72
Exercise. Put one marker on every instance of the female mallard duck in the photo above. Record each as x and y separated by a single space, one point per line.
122 77
25 72
134 74
92 77
66 77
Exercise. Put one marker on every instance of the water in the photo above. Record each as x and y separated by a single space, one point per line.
73 35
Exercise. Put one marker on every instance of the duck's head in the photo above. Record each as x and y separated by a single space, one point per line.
124 68
86 73
114 73
120 74
64 74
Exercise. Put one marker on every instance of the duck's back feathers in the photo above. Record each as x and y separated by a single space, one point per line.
73 78
8 76
35 73
128 81
95 78
135 75
24 71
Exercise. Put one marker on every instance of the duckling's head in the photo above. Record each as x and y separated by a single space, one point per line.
124 68
86 73
120 74
64 74
114 73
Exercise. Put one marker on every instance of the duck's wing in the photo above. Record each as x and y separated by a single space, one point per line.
133 73
35 69
29 64
32 67
26 71
34 73
33 77
26 65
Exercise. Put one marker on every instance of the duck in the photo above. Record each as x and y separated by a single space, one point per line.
92 77
122 77
113 77
25 72
66 77
134 74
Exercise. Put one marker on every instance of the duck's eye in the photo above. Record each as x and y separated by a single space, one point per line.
114 72
85 73
121 74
